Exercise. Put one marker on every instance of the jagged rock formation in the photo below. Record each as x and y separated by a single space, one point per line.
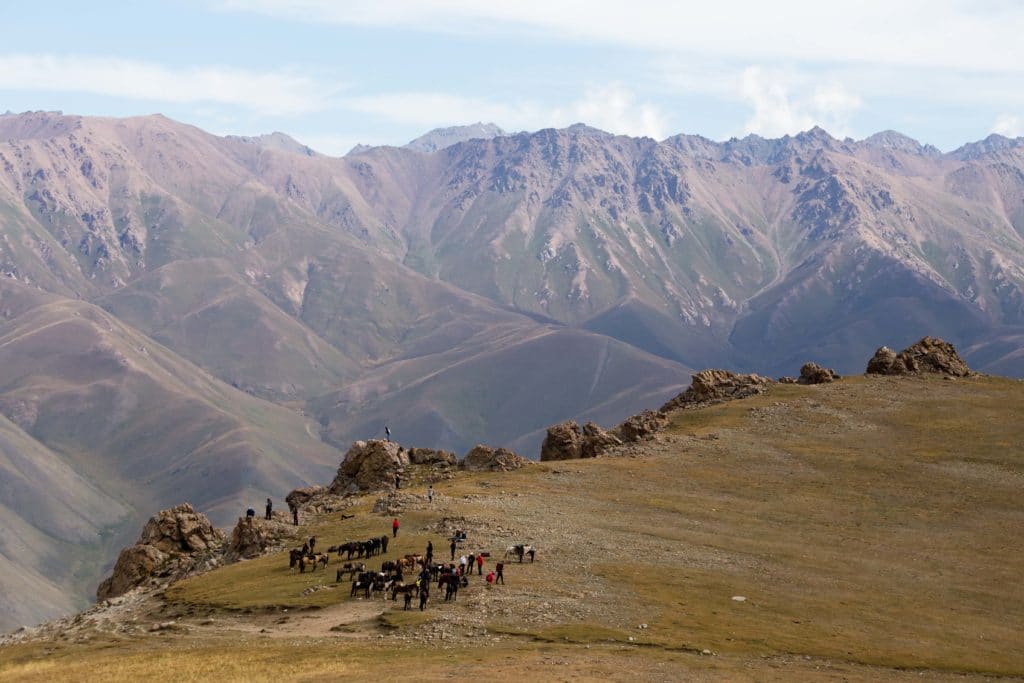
369 466
253 536
432 457
715 386
487 459
173 543
568 441
812 373
929 355
640 426
301 497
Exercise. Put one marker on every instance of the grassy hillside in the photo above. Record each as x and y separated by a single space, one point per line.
869 525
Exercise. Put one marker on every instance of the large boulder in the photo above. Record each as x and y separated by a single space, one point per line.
641 426
136 565
564 441
432 457
369 466
171 545
569 441
596 441
181 529
300 497
715 386
486 459
250 538
929 355
812 373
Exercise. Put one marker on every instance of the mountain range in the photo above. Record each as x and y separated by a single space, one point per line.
214 319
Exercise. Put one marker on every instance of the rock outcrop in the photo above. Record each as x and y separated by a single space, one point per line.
486 459
173 543
251 537
432 457
929 355
716 386
569 441
641 426
301 497
812 373
369 466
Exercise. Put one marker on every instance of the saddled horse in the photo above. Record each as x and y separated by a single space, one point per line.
404 589
351 569
519 550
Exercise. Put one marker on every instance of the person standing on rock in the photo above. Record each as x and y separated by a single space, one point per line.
452 548
398 480
462 565
295 513
430 494
430 551
270 508
500 576
394 528
480 564
387 433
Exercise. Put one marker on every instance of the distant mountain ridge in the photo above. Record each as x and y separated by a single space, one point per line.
285 303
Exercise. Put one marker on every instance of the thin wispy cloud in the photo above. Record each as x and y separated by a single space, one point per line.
937 34
279 93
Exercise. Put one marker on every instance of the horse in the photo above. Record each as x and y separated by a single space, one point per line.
519 550
350 569
404 589
364 581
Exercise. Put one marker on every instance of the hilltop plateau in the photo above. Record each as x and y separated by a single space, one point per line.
860 529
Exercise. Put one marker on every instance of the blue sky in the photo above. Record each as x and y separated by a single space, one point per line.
333 74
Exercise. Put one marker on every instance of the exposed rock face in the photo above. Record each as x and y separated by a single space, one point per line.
250 537
568 441
882 362
171 545
430 456
640 426
486 459
369 466
715 386
929 355
597 440
812 373
301 497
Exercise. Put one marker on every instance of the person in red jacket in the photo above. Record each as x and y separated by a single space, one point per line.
394 528
480 564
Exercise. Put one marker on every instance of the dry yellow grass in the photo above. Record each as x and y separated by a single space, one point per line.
873 527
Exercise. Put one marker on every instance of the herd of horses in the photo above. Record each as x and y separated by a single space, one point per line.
391 577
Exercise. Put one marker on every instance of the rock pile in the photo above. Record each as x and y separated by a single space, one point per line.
173 543
716 386
812 373
929 355
369 466
432 457
486 459
569 441
640 426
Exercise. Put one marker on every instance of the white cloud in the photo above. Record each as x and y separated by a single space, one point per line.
1009 125
935 34
613 108
785 103
268 93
